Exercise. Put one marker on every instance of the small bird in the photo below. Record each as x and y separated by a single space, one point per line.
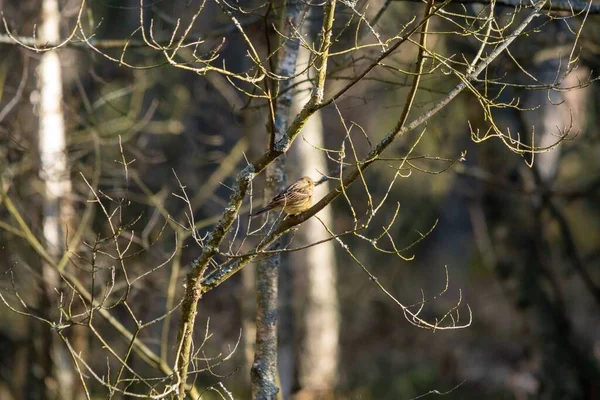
294 199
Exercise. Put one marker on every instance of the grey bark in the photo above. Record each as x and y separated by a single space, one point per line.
264 369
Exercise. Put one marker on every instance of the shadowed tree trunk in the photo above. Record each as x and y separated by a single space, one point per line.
522 254
255 125
567 370
264 369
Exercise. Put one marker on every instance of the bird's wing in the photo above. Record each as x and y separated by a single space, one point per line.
296 191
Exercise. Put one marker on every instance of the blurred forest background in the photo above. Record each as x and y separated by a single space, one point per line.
125 131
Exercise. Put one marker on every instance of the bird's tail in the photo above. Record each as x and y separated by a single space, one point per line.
261 211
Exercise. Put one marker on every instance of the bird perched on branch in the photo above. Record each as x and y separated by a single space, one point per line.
296 198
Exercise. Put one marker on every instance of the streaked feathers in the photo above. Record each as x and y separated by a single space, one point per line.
296 198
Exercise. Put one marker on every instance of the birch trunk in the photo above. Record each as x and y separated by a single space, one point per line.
313 270
55 176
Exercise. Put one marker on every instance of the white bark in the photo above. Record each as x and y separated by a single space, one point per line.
315 267
55 175
52 142
555 114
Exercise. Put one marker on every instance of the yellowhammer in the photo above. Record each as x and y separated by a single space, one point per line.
294 199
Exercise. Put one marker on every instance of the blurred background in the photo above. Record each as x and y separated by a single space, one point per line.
476 228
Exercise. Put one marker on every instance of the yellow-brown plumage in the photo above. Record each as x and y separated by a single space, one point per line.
296 198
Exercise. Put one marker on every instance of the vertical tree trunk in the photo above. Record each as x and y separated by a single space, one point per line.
264 369
318 361
313 269
566 370
55 175
255 130
523 263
